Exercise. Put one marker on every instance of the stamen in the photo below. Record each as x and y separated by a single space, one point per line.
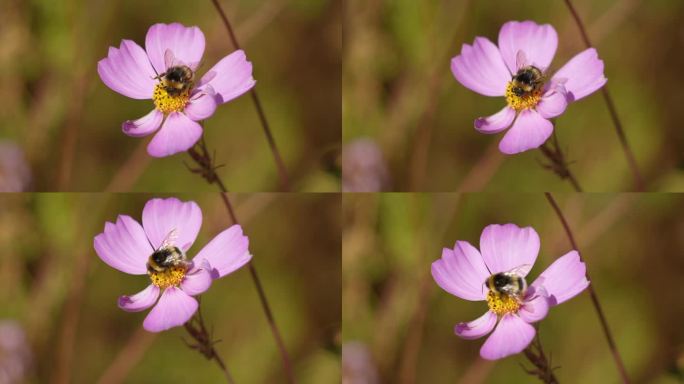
171 277
166 103
526 101
502 304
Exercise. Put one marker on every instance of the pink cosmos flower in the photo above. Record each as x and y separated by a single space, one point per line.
165 73
508 252
518 69
169 226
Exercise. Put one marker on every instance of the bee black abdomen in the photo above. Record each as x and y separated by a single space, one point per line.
159 256
177 80
501 280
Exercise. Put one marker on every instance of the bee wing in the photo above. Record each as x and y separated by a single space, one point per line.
520 60
170 60
521 270
170 239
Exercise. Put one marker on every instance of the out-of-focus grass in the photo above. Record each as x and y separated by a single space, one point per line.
69 122
399 90
629 242
65 296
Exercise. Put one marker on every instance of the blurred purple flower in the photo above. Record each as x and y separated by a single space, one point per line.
464 272
169 227
363 167
15 353
180 100
513 70
15 174
357 364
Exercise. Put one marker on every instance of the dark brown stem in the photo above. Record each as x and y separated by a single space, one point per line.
592 294
557 162
207 170
631 160
282 171
205 345
543 368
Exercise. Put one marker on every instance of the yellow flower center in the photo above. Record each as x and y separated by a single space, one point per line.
502 304
170 277
528 100
166 103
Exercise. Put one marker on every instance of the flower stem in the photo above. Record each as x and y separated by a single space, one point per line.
205 345
592 293
282 171
558 164
631 160
207 170
535 354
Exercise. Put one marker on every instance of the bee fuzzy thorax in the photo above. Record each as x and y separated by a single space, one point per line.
173 91
167 267
525 89
506 292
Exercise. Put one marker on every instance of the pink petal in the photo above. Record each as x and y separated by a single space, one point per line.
197 281
186 44
564 279
480 68
537 42
174 308
144 125
230 77
553 103
511 336
141 300
226 252
536 305
161 216
529 131
496 122
177 134
476 328
124 246
202 104
582 75
127 70
508 247
461 272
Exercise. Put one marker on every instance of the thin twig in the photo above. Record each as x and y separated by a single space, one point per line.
544 368
282 171
592 293
631 160
207 170
558 164
205 345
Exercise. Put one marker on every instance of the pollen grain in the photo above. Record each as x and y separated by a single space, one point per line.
502 304
170 277
166 103
526 101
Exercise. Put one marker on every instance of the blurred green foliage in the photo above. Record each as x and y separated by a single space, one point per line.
398 89
630 243
65 297
69 123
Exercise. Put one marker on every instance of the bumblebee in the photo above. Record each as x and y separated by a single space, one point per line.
166 256
528 80
510 284
177 79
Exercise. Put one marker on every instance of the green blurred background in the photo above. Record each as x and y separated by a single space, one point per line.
64 296
398 90
393 309
69 123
